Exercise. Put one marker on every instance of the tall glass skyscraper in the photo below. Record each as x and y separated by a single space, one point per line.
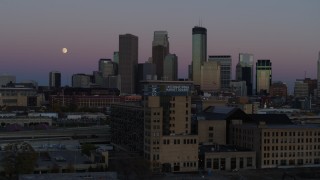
128 62
170 67
199 52
244 71
225 62
160 48
263 76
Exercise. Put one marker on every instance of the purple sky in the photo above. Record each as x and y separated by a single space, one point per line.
33 32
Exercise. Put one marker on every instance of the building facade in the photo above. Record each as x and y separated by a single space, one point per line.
128 62
225 62
107 67
279 145
278 89
160 49
170 68
199 52
5 79
81 80
54 79
263 76
244 71
210 76
301 89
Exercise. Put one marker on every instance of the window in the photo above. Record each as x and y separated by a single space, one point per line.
215 163
249 161
209 163
210 128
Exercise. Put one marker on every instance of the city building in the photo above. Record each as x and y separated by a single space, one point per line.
5 79
263 76
116 57
170 67
160 49
20 96
239 87
244 71
278 142
146 71
54 79
312 85
199 52
226 158
81 81
318 77
128 62
210 76
225 70
301 89
107 67
163 125
278 89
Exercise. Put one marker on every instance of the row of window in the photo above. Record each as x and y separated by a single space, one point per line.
305 133
180 141
220 163
291 154
285 162
296 147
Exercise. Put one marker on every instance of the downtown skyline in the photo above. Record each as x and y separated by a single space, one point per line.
34 32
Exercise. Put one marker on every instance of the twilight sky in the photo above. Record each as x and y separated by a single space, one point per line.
33 32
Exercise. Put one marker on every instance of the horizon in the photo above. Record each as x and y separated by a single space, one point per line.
34 33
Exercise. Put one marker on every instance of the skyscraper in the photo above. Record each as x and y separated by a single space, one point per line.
225 62
318 77
128 62
199 52
160 48
54 79
107 67
244 71
210 76
170 67
263 76
116 57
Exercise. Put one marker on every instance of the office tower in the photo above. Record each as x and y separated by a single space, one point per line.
5 79
263 76
225 62
318 77
278 89
116 57
128 62
160 48
54 79
170 68
146 71
244 70
81 80
239 87
312 85
199 52
107 67
301 89
210 76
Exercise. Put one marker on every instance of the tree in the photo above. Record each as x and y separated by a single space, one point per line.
86 148
20 158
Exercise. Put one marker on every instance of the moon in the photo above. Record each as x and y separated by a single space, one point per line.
64 50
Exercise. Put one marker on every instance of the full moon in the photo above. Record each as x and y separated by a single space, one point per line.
64 50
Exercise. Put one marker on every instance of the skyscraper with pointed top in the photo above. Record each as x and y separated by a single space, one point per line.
160 49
